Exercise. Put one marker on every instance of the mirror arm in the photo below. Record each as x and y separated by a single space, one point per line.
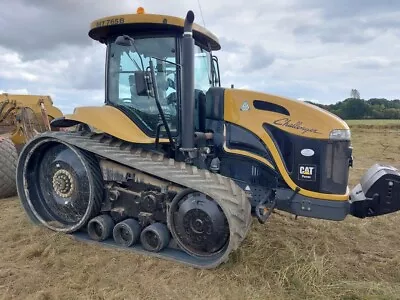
154 82
214 58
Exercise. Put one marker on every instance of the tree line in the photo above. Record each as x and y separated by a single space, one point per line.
356 108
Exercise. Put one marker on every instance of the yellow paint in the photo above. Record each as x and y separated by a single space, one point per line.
101 27
311 116
112 121
20 101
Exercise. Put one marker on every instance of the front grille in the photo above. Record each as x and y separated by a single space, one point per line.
326 171
335 167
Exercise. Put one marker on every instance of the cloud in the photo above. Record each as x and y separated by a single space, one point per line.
350 22
231 45
296 48
259 59
344 8
44 26
15 92
372 63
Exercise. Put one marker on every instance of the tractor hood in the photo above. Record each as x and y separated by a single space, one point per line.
253 109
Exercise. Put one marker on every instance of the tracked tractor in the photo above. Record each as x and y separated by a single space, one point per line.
178 166
21 118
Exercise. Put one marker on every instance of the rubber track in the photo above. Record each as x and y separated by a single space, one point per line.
97 177
231 198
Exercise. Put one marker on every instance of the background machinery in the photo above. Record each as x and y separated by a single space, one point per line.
179 165
21 118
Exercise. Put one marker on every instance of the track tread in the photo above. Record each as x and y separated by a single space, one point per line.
223 190
8 166
94 169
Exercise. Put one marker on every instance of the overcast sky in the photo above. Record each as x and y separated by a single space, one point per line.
316 50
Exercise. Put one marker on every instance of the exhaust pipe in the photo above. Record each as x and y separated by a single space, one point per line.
187 105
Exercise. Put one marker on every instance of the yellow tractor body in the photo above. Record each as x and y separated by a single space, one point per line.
176 166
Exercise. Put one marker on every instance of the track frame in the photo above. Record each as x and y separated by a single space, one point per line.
227 194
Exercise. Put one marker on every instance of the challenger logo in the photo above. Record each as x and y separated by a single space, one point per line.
307 172
286 122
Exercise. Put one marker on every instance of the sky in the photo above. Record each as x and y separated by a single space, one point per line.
316 50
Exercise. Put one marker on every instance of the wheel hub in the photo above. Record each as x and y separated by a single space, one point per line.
63 183
199 225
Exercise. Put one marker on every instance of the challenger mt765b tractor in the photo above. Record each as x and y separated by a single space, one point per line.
178 165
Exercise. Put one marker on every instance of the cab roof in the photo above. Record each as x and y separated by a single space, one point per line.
104 28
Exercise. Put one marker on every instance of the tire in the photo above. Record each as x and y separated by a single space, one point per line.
127 232
100 228
155 237
8 165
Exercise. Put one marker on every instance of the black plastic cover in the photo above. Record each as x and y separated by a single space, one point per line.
378 192
215 103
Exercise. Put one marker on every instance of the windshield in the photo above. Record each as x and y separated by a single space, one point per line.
124 61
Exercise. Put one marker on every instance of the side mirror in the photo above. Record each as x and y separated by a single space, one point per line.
144 86
124 40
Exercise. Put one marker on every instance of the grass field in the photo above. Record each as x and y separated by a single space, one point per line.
381 124
283 259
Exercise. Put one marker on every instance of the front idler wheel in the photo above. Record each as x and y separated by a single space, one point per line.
198 224
155 237
59 185
100 228
127 232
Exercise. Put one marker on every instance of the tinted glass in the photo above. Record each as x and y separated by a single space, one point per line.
124 61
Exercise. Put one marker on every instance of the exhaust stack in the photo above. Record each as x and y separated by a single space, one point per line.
187 113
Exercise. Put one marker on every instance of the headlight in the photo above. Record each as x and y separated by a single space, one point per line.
340 134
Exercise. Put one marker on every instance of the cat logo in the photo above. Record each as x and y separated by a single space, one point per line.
307 172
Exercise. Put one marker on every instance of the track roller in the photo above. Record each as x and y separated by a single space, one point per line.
127 232
100 228
155 237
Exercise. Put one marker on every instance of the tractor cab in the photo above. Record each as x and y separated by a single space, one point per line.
137 41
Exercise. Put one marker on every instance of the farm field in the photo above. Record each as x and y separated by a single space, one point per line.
375 123
283 259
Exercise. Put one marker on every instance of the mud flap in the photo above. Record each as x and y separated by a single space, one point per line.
378 192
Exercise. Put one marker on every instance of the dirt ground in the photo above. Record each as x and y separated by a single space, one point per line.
283 259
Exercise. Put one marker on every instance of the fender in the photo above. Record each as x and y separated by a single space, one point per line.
109 120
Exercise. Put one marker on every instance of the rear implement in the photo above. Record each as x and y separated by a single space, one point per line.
21 118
